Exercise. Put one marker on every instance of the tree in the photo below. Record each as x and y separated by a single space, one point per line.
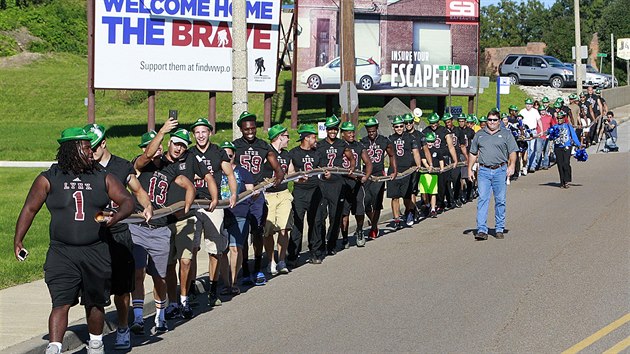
614 20
3 4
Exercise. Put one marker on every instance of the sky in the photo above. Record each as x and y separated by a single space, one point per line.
547 3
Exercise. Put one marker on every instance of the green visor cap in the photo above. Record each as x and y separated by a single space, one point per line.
562 114
557 105
573 96
541 108
504 115
347 126
201 122
332 121
429 137
305 130
245 117
408 117
447 116
181 136
462 116
227 145
513 108
545 99
397 120
74 133
97 133
483 119
433 118
146 138
371 122
275 131
470 119
529 101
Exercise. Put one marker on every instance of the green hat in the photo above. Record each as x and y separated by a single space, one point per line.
447 116
573 96
504 115
201 121
470 118
541 108
146 138
582 94
332 122
408 117
598 91
461 116
529 101
246 117
371 122
306 129
275 131
181 136
519 115
495 109
483 119
348 126
433 118
545 99
96 132
429 136
557 105
74 133
227 145
562 114
513 108
398 120
560 99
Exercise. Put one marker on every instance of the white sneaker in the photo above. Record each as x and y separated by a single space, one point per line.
272 269
95 347
524 172
123 339
52 349
282 268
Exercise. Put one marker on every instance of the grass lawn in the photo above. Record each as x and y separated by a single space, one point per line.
42 98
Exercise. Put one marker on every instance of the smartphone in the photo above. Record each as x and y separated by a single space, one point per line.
172 113
22 254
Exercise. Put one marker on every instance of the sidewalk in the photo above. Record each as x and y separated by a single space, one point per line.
24 309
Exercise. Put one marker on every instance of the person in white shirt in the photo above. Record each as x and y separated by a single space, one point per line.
531 118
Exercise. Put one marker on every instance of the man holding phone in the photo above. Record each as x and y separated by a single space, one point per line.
78 261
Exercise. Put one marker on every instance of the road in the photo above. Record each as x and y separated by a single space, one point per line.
559 276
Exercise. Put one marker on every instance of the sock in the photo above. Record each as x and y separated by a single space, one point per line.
56 344
183 299
159 310
213 287
98 337
257 261
137 309
245 269
344 235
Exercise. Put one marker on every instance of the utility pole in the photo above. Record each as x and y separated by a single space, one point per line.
347 50
239 63
578 46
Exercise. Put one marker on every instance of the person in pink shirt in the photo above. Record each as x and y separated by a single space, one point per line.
547 120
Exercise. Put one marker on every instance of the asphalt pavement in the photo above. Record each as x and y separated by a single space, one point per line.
560 276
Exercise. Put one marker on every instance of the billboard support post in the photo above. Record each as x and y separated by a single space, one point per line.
294 98
267 119
412 103
239 63
90 22
347 51
329 105
150 110
212 109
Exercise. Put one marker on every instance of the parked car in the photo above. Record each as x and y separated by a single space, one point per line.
594 78
367 73
541 69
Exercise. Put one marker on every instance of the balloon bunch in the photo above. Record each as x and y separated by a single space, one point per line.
581 155
553 132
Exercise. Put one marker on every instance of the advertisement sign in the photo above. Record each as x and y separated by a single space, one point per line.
182 44
623 48
399 47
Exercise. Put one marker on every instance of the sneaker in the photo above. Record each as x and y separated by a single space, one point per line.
458 203
123 339
213 299
161 327
138 326
172 311
373 234
397 224
187 311
410 219
481 236
272 269
524 172
52 349
345 244
95 347
260 279
282 268
433 214
360 238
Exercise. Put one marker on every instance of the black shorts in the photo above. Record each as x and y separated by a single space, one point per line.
415 180
374 192
78 271
400 188
355 198
123 265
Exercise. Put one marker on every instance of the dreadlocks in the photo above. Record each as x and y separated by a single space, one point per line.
70 158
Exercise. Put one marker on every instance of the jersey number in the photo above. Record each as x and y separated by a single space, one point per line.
251 163
160 198
375 155
346 163
79 215
400 151
331 159
308 166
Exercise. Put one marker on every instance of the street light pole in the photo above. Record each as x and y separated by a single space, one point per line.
578 46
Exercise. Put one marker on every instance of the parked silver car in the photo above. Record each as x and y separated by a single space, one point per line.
367 73
595 78
541 69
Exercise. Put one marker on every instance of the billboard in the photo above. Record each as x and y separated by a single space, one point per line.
182 44
401 46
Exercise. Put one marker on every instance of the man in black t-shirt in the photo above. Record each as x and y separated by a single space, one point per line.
78 262
251 154
211 224
458 137
444 144
120 244
378 146
411 129
306 198
332 151
355 193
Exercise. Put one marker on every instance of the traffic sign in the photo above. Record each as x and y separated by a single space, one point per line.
602 55
623 48
449 67
348 97
455 110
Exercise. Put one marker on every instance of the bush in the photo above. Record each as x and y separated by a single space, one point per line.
8 46
39 47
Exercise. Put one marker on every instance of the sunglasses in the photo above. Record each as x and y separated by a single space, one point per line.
408 122
493 120
398 126
230 156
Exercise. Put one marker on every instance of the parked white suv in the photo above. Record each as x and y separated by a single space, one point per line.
367 73
540 69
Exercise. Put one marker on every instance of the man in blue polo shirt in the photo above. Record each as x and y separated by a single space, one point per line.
495 148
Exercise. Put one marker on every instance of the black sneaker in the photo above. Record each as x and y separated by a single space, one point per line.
213 300
172 311
360 238
187 311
